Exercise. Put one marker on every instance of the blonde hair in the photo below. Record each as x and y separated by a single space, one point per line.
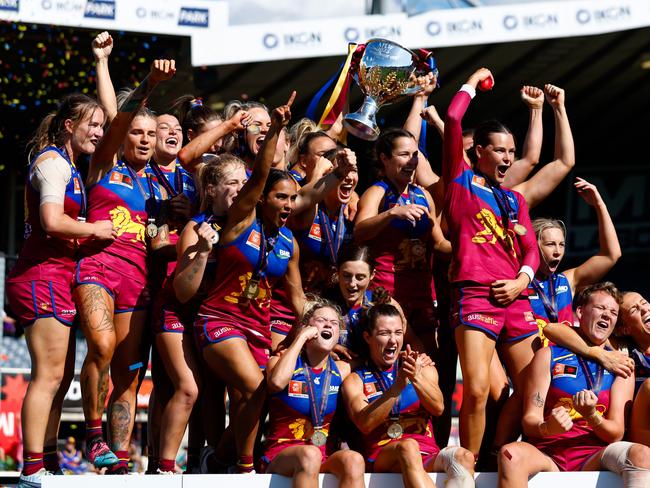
543 223
297 132
212 172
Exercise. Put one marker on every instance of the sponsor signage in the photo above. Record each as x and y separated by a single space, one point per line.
436 28
171 17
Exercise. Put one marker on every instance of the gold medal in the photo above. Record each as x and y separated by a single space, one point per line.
152 230
319 438
252 289
418 249
520 229
395 430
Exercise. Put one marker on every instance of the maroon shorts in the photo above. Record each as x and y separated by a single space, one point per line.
212 330
121 280
38 299
475 307
276 448
281 327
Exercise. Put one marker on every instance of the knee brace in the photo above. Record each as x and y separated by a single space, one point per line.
458 475
615 459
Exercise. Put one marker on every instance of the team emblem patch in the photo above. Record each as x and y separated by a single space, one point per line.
298 389
564 371
315 232
254 240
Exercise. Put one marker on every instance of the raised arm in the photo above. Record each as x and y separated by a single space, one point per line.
313 193
102 47
616 362
594 268
190 155
453 156
103 158
242 211
533 97
541 184
413 122
279 369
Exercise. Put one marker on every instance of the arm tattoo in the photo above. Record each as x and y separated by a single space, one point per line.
538 400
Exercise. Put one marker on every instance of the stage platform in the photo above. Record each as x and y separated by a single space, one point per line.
483 480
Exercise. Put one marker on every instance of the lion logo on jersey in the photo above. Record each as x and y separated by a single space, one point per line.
414 254
567 403
297 428
263 298
123 223
492 228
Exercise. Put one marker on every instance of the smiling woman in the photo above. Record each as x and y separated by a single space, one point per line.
396 219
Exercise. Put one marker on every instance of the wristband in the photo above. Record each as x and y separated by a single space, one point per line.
595 418
469 89
528 271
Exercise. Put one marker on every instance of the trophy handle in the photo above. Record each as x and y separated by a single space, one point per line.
362 123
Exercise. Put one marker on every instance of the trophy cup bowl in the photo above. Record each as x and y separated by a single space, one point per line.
386 73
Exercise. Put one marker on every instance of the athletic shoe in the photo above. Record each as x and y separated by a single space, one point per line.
117 470
33 480
160 471
204 457
99 454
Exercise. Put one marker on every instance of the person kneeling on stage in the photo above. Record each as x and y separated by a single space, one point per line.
574 411
391 399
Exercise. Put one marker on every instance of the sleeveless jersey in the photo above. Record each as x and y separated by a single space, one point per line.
561 298
316 264
290 421
484 250
237 261
39 247
641 366
415 420
118 198
567 378
403 250
178 180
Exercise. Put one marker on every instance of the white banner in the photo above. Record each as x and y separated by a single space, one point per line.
172 17
438 28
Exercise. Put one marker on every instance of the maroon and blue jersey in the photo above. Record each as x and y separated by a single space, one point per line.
181 181
570 374
237 262
40 247
413 417
300 179
481 217
551 300
319 247
641 366
121 197
403 251
290 411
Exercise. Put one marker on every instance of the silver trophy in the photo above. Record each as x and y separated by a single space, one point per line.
386 73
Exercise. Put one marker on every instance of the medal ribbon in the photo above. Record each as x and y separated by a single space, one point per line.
403 201
395 411
317 411
547 300
172 191
83 206
594 385
333 242
266 248
150 199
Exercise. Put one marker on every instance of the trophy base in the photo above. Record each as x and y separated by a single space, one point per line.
361 127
